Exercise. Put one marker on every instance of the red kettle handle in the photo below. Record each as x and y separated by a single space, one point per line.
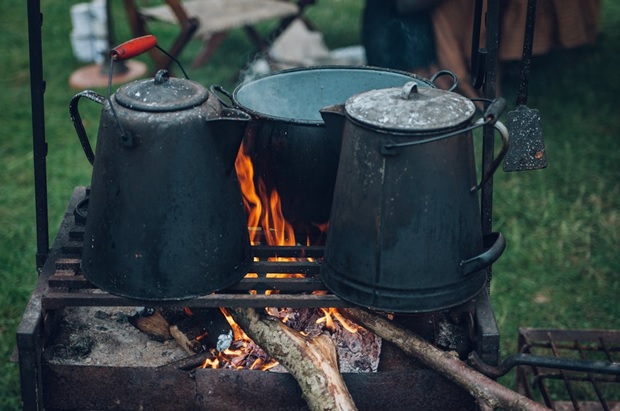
133 47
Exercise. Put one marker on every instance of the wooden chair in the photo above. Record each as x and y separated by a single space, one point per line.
211 20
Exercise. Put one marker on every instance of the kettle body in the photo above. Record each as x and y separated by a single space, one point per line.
405 232
165 216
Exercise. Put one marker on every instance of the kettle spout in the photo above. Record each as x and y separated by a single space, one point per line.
230 127
333 117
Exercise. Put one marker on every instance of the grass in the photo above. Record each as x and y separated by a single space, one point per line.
562 224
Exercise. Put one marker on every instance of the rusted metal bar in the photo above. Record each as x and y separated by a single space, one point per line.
39 145
265 251
99 387
586 343
57 300
544 362
567 383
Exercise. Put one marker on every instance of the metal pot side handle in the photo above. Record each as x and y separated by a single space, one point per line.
503 132
441 73
494 244
77 120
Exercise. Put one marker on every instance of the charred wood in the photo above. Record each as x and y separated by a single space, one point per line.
191 362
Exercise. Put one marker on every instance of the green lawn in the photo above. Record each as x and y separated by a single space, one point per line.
562 224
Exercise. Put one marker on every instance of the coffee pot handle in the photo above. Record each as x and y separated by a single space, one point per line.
77 120
494 245
442 73
503 132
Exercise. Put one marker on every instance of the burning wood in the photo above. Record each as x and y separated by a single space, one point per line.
358 349
312 361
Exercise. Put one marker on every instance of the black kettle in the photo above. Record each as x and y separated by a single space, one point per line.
405 233
165 217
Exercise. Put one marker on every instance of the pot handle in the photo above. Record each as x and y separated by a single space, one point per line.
77 120
441 73
217 90
503 132
389 147
494 244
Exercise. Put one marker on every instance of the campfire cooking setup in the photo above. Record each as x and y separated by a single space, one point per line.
317 238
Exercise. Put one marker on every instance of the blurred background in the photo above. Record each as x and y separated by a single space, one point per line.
561 268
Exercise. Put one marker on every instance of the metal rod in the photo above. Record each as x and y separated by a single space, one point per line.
490 92
592 381
543 361
39 145
567 383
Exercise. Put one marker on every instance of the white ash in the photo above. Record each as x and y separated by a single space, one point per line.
103 336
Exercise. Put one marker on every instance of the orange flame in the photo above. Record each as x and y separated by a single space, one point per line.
266 223
238 333
329 321
251 200
263 209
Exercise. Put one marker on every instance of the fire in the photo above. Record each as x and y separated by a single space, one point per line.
266 223
238 333
236 356
264 211
275 228
251 200
328 319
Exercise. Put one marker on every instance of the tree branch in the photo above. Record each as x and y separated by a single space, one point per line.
488 392
312 361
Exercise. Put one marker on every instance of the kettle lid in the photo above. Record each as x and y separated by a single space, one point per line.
161 94
410 109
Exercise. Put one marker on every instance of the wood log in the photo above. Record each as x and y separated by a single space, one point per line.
191 362
188 346
487 392
312 361
151 323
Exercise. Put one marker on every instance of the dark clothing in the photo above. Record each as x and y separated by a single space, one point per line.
397 41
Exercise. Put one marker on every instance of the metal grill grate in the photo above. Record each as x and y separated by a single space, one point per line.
302 288
570 390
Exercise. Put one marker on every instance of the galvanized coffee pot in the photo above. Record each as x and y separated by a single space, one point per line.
165 215
405 233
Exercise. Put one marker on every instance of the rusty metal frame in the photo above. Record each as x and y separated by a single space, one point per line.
61 285
582 344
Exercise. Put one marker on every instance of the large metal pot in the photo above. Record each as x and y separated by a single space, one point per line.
165 216
288 143
405 231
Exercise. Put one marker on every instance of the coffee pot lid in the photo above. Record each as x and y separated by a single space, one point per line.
410 109
161 94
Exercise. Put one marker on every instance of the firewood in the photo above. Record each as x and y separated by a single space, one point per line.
189 363
184 342
151 322
312 361
488 393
